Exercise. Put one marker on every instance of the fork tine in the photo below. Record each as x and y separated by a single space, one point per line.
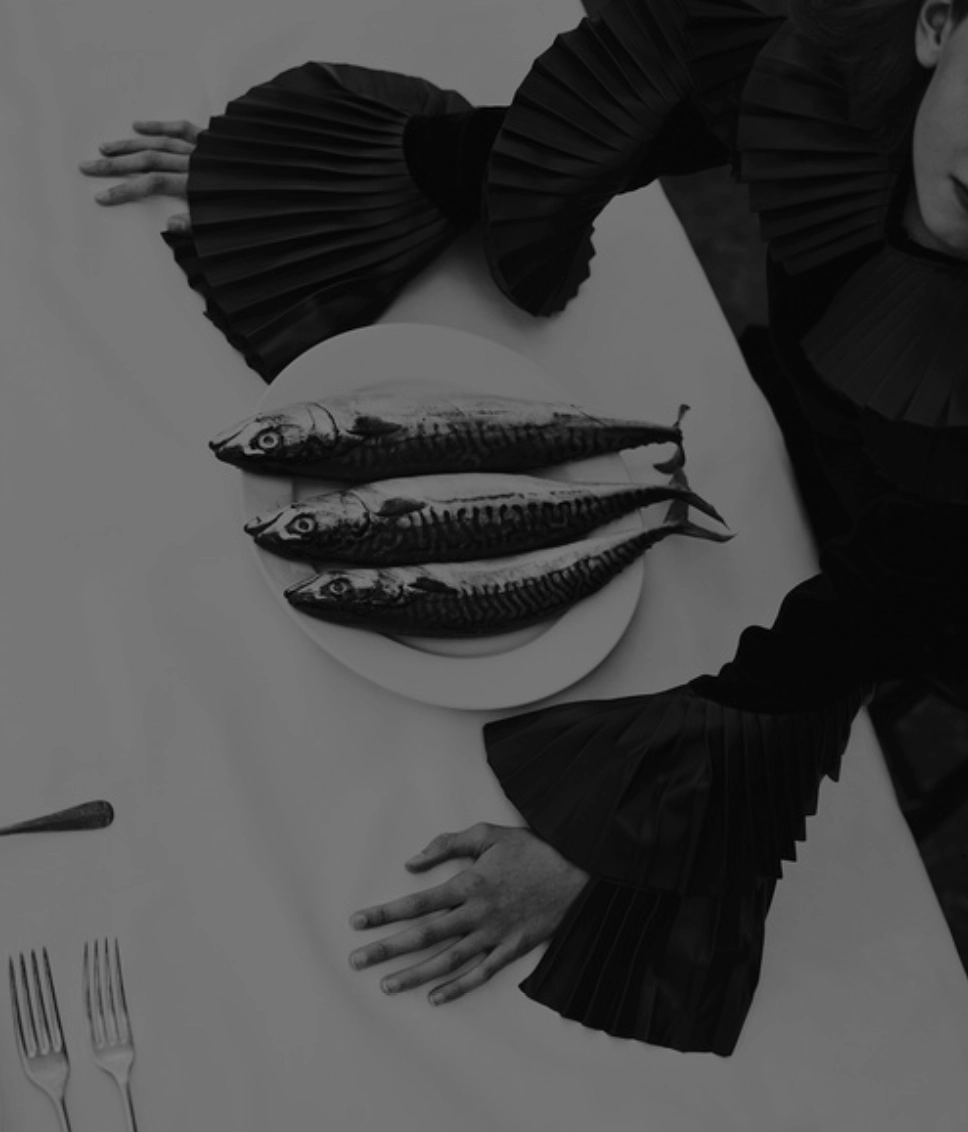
124 1018
97 1034
96 981
86 985
40 1007
96 1014
18 1019
57 1030
109 991
100 996
33 1045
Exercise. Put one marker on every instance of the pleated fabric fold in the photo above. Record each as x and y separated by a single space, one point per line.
653 966
305 219
579 128
892 342
819 185
682 810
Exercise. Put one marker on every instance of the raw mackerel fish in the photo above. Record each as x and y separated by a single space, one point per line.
451 518
473 599
362 438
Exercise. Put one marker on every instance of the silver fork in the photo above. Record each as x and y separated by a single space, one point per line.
107 1013
41 1039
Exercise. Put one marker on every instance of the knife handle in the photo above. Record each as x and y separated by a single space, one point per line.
89 815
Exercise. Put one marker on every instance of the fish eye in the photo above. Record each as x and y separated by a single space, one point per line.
268 440
338 586
303 525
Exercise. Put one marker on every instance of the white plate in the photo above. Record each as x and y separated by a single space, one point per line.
483 673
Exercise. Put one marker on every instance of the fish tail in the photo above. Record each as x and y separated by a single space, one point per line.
679 508
678 514
691 499
694 530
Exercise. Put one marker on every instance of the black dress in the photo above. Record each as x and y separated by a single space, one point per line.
317 196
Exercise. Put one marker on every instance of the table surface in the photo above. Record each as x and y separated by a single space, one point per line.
263 791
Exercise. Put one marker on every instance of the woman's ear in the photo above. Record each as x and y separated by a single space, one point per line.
931 34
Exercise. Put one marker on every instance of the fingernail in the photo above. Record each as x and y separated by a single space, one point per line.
358 961
390 986
358 921
436 999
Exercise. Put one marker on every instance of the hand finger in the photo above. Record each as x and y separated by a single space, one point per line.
179 129
136 145
149 184
478 975
180 222
467 843
445 962
445 926
143 162
446 895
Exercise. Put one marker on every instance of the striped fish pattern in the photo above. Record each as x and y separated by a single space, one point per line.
452 518
474 599
374 436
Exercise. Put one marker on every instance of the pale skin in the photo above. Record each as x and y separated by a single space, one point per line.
512 897
933 215
516 889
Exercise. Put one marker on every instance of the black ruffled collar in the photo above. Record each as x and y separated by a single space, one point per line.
894 339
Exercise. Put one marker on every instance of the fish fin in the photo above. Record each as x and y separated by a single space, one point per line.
400 505
433 585
373 426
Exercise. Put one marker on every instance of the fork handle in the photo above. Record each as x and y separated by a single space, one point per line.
65 1121
129 1107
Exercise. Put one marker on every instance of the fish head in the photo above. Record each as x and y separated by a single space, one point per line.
274 441
318 522
353 596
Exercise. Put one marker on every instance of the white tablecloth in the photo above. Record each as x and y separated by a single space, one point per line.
263 791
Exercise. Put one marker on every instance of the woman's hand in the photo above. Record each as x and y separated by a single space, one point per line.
511 899
155 164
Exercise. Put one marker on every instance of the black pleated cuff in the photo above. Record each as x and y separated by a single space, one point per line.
682 811
306 221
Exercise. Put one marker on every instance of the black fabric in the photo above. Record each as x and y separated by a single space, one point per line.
824 509
581 127
681 810
446 155
877 318
305 219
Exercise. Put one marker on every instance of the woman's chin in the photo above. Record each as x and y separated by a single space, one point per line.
951 239
946 233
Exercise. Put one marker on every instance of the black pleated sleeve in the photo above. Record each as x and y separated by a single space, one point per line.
683 804
317 196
